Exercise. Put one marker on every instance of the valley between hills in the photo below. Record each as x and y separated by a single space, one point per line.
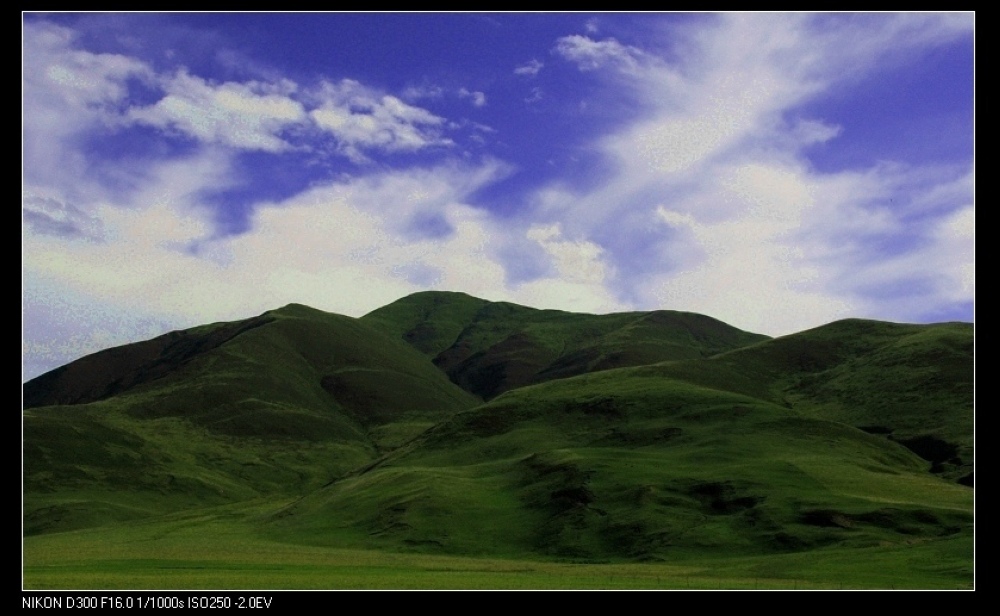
445 441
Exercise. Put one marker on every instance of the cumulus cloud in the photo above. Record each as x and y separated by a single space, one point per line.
243 115
69 91
360 118
575 279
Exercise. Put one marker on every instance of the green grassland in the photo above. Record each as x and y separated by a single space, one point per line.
221 548
301 449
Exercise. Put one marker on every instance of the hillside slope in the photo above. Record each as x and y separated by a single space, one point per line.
810 441
280 403
629 464
913 384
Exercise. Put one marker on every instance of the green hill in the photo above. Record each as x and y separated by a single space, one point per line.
658 437
280 403
637 464
909 383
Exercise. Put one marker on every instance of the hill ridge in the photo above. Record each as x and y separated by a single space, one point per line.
491 347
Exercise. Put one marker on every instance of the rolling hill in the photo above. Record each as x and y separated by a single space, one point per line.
284 401
446 424
673 459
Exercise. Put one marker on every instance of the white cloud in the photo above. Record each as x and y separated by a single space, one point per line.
712 207
932 265
575 261
243 115
359 118
559 294
327 247
54 70
589 54
745 267
478 98
143 246
413 93
47 215
530 68
68 93
956 243
61 325
576 280
813 131
344 247
426 91
139 254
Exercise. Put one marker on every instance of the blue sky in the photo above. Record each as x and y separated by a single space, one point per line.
777 171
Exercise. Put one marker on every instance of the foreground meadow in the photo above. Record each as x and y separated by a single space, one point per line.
219 550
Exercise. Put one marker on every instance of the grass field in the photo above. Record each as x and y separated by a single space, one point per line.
220 549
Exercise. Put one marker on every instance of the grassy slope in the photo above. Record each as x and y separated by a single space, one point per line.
622 465
279 408
492 347
736 454
910 383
